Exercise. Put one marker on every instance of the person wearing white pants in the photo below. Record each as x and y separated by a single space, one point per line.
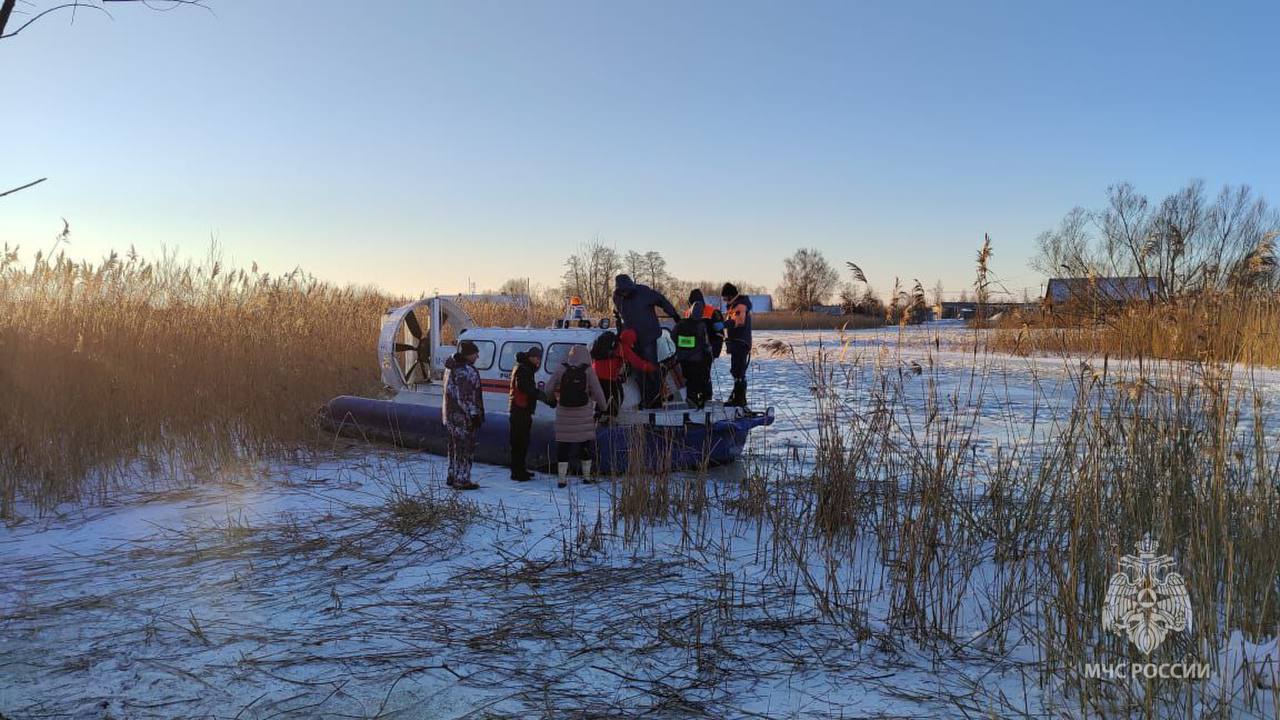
578 396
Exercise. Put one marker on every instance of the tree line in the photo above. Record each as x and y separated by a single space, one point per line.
1187 243
809 281
589 272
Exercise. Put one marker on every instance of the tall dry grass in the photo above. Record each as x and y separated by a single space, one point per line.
1180 450
812 321
1208 327
921 516
173 367
538 314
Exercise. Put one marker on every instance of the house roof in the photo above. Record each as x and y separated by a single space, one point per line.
1118 289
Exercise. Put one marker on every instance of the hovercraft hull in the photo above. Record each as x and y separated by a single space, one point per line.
688 445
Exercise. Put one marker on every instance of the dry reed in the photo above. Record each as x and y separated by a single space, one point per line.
812 321
165 366
1210 328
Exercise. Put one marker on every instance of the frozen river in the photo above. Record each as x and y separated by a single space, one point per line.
302 591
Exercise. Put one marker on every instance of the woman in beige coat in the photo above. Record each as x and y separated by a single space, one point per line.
577 393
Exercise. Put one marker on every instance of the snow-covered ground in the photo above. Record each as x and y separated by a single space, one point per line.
286 595
291 591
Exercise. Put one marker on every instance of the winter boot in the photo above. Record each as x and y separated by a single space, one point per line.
562 470
587 477
738 398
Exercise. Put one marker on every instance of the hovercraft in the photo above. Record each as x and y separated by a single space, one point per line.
418 337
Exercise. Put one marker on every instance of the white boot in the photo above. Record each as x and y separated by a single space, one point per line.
562 469
586 472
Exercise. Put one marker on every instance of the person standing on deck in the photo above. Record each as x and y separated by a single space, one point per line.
737 322
634 304
699 339
524 397
463 413
577 394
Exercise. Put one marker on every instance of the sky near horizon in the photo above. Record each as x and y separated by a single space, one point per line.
421 145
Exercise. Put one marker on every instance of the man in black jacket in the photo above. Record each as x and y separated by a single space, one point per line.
635 305
524 398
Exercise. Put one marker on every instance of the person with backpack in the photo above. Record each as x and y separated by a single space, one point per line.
577 394
699 338
524 397
611 355
462 412
737 322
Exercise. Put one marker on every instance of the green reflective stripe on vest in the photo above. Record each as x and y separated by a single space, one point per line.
687 341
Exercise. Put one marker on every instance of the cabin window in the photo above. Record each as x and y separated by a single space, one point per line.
488 349
557 354
507 361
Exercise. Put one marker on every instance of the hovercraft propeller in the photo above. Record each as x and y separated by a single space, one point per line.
421 348
406 331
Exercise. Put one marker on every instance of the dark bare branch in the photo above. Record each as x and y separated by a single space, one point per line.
23 187
7 8
55 8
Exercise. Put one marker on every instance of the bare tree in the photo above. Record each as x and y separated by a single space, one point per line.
807 279
677 290
516 287
589 274
848 299
1186 243
1237 226
866 303
650 268
1065 250
870 304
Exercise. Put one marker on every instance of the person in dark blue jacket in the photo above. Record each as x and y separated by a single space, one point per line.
635 303
737 323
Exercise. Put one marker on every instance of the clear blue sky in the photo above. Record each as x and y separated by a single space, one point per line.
414 145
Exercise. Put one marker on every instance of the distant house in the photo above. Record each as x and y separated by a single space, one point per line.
969 310
1100 292
953 310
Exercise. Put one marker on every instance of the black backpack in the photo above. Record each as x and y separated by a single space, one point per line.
604 346
573 386
691 339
